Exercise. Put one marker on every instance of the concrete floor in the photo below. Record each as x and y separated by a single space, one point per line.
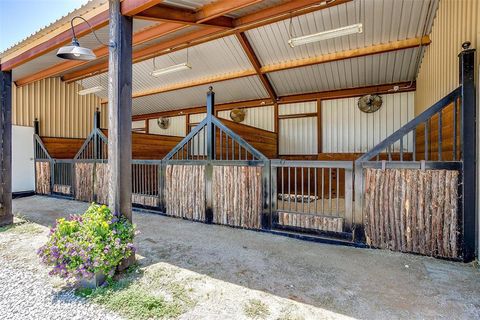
360 283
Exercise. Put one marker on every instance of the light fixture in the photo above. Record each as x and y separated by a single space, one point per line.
177 67
75 51
90 90
325 35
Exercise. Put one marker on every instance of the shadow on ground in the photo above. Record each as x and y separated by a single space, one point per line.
360 283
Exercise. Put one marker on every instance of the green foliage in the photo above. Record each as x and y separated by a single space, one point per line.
83 245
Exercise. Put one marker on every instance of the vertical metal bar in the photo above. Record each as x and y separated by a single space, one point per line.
389 151
295 180
401 148
316 193
323 191
308 189
338 188
283 187
440 136
330 190
289 194
455 110
303 194
348 199
426 140
221 144
414 147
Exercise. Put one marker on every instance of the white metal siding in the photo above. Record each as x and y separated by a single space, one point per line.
261 117
346 129
140 124
176 128
298 136
297 108
197 117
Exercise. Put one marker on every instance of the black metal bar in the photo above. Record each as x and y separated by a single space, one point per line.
414 147
455 129
440 136
426 139
469 149
210 127
36 126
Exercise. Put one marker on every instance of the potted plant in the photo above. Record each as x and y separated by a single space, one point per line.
86 249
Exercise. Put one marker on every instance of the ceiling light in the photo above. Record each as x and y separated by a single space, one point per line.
325 35
90 90
75 51
175 68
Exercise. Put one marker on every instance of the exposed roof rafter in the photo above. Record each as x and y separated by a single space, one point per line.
247 47
254 20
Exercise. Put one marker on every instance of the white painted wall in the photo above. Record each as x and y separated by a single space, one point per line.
176 128
140 124
23 172
260 117
346 129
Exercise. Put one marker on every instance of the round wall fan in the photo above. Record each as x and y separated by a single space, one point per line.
163 123
237 115
370 103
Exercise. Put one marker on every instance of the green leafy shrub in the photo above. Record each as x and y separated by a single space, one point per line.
83 245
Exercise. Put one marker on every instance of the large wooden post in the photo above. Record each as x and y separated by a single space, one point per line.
120 112
469 149
6 216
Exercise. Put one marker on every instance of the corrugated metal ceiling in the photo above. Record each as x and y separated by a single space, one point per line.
248 88
383 21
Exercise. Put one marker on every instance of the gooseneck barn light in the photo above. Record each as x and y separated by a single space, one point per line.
75 51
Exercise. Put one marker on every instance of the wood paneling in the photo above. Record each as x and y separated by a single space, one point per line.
151 146
237 196
412 211
62 148
185 191
42 181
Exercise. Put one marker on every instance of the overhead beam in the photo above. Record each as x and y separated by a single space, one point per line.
179 15
101 52
321 95
132 7
254 20
349 54
261 71
247 47
195 83
143 54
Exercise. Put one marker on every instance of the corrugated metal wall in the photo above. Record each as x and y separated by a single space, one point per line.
298 135
261 117
177 127
456 21
58 107
346 129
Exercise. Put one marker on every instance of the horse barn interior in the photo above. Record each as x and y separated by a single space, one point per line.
345 121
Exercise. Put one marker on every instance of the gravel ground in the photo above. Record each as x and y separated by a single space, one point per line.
26 290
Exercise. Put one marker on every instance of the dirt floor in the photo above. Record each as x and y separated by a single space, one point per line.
241 274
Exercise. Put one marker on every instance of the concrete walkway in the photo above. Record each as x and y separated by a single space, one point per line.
359 283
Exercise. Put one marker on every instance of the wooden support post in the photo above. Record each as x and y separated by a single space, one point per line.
469 149
120 112
6 215
210 155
